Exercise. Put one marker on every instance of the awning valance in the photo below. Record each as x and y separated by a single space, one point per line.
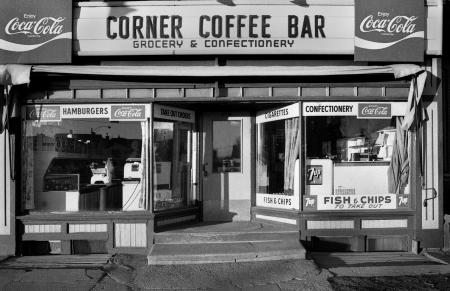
399 71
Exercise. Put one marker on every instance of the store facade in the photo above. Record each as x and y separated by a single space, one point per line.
201 111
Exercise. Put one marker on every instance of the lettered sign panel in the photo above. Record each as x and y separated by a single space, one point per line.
192 27
35 31
113 112
390 30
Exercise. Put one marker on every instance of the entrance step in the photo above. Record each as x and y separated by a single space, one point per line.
225 242
171 254
221 237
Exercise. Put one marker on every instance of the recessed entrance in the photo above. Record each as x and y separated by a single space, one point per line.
227 172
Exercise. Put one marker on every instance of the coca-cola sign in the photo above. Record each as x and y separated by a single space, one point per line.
389 30
43 113
374 110
127 112
36 31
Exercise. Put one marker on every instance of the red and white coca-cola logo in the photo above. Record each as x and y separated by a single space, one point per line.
380 110
128 113
44 113
33 27
400 24
374 110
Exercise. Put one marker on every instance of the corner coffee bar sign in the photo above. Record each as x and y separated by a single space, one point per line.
187 27
35 31
390 30
113 112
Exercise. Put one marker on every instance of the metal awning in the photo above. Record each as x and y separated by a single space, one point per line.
399 71
20 74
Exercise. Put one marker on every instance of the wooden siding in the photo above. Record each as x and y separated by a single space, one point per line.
130 235
42 228
330 224
384 223
87 227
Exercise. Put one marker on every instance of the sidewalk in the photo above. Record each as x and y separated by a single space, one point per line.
320 271
392 264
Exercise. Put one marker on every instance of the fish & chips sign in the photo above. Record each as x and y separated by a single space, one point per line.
355 202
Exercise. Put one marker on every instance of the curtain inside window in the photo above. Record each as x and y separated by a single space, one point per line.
292 143
143 199
28 167
398 172
262 176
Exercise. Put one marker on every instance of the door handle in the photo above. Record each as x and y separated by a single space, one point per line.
205 172
425 201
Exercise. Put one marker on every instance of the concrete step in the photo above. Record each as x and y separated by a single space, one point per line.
222 237
201 253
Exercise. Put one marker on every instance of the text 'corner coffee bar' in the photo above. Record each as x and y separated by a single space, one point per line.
123 119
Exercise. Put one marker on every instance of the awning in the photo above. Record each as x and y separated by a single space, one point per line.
14 74
399 71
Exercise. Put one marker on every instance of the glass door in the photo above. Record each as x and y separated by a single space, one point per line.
172 156
227 171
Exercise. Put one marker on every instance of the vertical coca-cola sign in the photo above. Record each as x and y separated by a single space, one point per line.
35 31
390 30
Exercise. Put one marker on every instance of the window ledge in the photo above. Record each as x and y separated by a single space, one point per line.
86 215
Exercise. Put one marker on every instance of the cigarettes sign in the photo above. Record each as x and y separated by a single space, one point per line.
390 30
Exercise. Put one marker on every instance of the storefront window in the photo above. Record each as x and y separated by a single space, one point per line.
72 162
172 164
356 156
277 172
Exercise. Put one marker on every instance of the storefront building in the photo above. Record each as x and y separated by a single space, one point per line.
121 118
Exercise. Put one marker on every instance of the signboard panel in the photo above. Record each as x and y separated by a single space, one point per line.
116 112
277 201
354 202
246 27
35 31
282 113
173 113
214 29
390 30
374 111
359 109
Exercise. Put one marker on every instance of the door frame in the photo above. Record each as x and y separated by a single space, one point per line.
203 147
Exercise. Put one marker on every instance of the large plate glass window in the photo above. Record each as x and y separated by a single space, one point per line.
85 157
357 156
278 148
172 152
